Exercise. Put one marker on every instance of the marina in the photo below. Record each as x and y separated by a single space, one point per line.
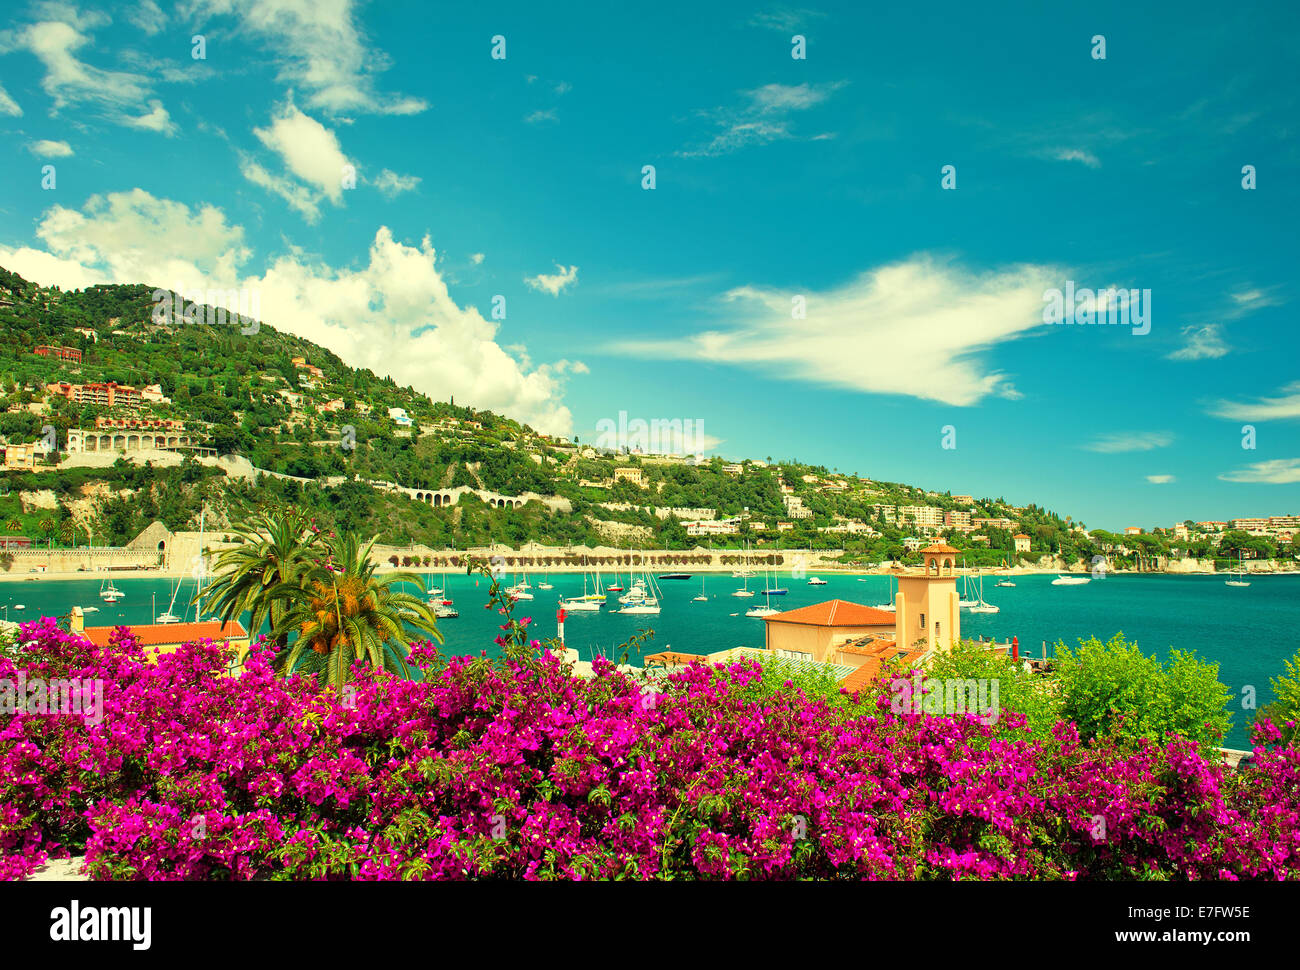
1249 632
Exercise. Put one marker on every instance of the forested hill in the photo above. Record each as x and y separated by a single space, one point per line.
294 408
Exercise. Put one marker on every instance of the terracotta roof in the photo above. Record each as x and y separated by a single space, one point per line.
672 657
939 548
170 634
1020 535
866 675
834 613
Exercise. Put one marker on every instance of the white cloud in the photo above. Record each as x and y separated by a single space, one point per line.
1122 441
1279 471
391 184
50 149
763 118
1160 479
147 16
70 81
156 120
132 237
309 150
1286 405
785 19
8 106
554 282
537 117
1202 342
1076 155
313 160
319 49
476 258
298 196
393 314
916 328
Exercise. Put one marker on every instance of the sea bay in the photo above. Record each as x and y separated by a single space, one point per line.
1248 631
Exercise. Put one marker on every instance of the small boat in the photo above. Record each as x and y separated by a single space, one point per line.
889 607
815 581
434 591
981 606
20 606
445 611
743 592
90 609
109 593
1071 580
674 575
580 606
168 616
966 602
1240 575
1004 582
766 609
776 591
545 586
647 606
701 598
614 589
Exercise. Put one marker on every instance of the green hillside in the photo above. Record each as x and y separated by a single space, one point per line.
243 394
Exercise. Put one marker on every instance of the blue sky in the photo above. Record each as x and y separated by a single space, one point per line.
775 178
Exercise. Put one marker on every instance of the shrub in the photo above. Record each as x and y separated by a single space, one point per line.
1115 688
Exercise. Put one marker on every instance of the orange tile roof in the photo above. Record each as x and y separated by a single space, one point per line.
834 613
170 634
866 675
939 548
668 657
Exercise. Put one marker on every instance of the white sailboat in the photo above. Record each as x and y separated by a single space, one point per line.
109 593
643 598
766 609
744 573
816 581
981 606
1239 574
169 616
443 608
702 598
587 602
966 602
889 607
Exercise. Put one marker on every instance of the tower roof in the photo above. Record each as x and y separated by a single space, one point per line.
940 549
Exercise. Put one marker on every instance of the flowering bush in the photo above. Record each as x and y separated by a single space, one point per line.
515 769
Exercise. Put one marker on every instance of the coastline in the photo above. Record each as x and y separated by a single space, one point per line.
695 570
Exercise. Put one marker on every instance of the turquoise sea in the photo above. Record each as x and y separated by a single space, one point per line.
1248 631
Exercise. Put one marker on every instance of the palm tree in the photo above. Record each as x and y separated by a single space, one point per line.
277 550
14 526
344 613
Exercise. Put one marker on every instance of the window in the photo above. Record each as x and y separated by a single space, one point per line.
922 623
